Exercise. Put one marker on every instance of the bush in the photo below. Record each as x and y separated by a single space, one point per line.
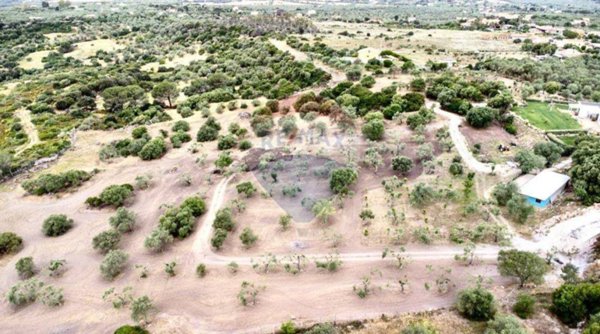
341 179
549 150
373 130
529 161
524 306
56 225
180 137
573 303
181 125
9 243
201 270
248 238
127 329
504 324
25 267
504 192
419 328
456 168
123 221
154 149
139 132
519 209
480 117
402 164
195 204
114 195
24 292
226 142
207 133
52 183
106 241
113 264
476 304
223 160
223 220
219 236
246 188
245 145
158 240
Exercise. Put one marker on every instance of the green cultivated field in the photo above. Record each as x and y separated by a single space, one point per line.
546 117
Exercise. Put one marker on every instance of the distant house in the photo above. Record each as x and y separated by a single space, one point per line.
544 188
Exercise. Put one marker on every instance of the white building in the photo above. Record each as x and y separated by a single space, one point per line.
544 188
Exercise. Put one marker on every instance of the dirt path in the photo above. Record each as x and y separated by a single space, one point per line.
25 117
461 145
337 76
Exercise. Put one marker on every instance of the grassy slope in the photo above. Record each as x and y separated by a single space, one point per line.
547 117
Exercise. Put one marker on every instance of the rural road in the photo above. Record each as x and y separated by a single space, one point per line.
25 116
574 233
566 233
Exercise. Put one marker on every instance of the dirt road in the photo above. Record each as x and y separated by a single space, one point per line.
29 128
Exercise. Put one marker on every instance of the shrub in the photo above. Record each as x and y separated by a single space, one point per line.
207 133
180 137
52 183
226 142
402 164
158 240
114 195
140 132
223 160
154 149
181 125
127 329
524 306
219 236
419 328
223 220
476 304
195 204
480 117
123 221
504 192
25 267
51 296
24 292
519 209
201 270
341 179
262 125
529 161
373 130
245 145
246 188
504 324
549 150
106 241
456 168
9 243
56 225
248 238
113 264
285 221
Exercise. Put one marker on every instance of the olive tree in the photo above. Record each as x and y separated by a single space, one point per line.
113 264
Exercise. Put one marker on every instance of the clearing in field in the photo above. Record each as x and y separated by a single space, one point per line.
88 49
547 116
33 60
184 60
